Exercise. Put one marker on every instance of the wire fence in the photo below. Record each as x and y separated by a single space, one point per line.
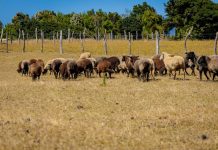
83 41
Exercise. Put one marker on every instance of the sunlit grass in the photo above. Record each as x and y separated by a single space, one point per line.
122 114
115 47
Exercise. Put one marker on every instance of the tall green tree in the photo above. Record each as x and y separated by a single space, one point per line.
152 22
47 21
143 18
21 21
201 14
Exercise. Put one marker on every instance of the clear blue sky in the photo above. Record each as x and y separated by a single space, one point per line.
8 8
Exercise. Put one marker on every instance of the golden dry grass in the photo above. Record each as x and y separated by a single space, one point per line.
124 114
116 47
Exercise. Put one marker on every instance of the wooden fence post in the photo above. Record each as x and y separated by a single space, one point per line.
215 45
84 34
163 35
72 35
98 35
130 46
53 37
147 37
125 36
27 37
81 41
19 36
111 35
105 42
68 35
136 37
6 42
11 39
24 44
36 35
57 35
2 34
61 43
42 40
157 43
152 36
188 34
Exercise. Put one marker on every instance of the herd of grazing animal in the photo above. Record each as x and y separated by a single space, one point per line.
69 68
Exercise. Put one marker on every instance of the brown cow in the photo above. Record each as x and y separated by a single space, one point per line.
72 69
114 63
35 71
159 65
130 60
63 70
31 61
104 66
56 67
143 69
85 65
23 67
208 63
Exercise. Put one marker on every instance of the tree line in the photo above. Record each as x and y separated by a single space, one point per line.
143 19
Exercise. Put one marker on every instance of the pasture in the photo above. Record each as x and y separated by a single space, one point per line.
123 114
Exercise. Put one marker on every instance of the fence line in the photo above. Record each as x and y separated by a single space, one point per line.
82 36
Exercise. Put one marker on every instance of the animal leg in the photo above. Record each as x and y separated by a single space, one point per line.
147 76
200 73
205 73
99 73
214 76
185 72
175 75
138 75
109 74
170 73
193 71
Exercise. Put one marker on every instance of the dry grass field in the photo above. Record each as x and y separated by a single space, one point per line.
124 114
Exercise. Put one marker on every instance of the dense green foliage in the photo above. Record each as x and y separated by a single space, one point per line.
180 14
201 14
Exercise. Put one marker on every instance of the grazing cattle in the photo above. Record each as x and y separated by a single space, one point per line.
159 65
114 63
85 55
63 70
152 70
41 63
85 65
93 60
130 60
208 63
48 65
31 61
142 68
99 59
23 67
19 69
190 60
72 69
35 71
173 63
56 67
104 66
122 67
